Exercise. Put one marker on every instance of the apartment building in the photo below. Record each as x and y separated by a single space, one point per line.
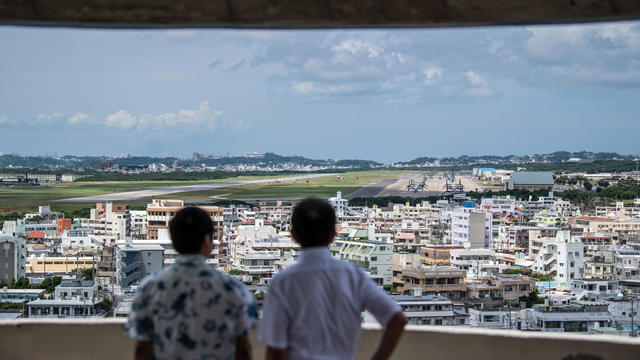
138 224
376 256
338 203
560 258
73 299
474 261
499 206
627 264
159 212
431 310
577 317
135 262
13 254
594 289
619 211
447 281
437 254
471 229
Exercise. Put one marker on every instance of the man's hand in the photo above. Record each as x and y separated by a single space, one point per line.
144 350
243 348
276 354
392 332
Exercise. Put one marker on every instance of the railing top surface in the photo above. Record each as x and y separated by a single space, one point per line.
427 329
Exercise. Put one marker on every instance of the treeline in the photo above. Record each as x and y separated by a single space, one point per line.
201 175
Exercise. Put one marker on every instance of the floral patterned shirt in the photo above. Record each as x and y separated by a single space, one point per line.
191 311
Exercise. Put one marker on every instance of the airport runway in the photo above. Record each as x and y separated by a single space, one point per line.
371 190
142 194
434 185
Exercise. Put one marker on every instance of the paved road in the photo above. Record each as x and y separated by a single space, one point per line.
142 194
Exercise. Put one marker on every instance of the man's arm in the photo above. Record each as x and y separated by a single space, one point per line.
391 336
276 354
144 350
243 348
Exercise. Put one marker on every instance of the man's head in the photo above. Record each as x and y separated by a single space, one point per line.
313 223
191 231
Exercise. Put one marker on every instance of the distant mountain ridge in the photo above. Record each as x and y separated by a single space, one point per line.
554 157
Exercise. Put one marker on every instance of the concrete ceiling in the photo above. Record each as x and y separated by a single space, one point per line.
309 13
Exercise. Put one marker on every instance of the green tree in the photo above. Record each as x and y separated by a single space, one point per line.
22 283
587 186
106 305
532 299
50 283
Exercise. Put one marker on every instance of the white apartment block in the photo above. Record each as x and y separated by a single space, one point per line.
595 290
138 223
561 258
339 204
627 264
499 206
471 229
474 261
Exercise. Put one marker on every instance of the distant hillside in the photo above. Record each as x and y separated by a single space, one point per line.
555 157
131 162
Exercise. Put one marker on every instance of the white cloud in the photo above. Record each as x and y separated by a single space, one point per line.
4 119
432 75
203 117
122 119
475 79
355 46
49 117
78 118
479 85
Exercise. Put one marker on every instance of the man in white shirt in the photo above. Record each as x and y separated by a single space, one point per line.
313 309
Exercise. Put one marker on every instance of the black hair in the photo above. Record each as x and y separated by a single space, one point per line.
188 229
314 222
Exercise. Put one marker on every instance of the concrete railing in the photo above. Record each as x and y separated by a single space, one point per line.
104 339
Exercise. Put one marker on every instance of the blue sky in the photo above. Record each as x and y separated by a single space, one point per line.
385 95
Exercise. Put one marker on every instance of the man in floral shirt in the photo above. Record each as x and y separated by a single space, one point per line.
190 310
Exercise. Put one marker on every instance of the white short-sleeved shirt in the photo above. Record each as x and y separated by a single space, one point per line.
191 311
314 308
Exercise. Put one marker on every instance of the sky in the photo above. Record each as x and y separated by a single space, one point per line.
384 95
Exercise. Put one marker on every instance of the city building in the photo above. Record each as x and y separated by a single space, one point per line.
576 317
159 212
471 229
59 265
135 262
447 281
73 299
13 254
530 181
339 204
431 310
376 256
561 258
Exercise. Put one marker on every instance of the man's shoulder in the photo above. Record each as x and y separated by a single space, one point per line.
299 270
